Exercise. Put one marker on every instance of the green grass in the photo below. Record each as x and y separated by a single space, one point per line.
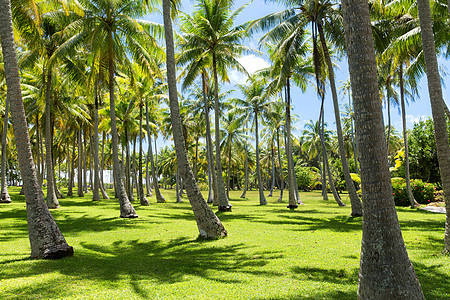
270 252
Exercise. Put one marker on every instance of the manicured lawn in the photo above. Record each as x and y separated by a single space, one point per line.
270 252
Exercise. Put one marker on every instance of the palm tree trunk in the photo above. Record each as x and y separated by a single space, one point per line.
84 156
143 199
224 204
126 209
405 141
272 151
96 188
436 99
46 239
208 224
52 201
229 171
388 138
72 169
128 179
39 171
292 198
280 198
262 198
177 186
135 173
325 158
356 204
5 198
80 192
385 269
159 197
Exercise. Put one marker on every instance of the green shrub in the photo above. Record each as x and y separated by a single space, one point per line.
307 177
423 192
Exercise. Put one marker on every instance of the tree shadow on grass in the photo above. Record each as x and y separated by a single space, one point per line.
155 261
333 295
434 280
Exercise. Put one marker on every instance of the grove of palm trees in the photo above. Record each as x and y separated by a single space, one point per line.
160 125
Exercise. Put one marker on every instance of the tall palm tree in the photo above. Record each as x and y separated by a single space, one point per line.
214 38
256 103
437 110
45 237
207 222
5 198
385 269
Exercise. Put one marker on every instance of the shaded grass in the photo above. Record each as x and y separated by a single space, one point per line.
271 252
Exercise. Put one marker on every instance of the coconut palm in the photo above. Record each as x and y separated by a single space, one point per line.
385 269
45 237
207 222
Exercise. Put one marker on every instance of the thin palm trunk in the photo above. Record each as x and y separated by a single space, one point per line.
405 141
356 204
5 198
292 198
224 204
84 156
52 201
280 198
262 198
134 173
272 186
244 192
159 197
178 188
142 198
385 269
96 188
80 192
436 99
46 239
208 224
126 209
229 171
72 169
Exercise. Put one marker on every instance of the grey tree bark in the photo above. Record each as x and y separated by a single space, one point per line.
46 239
292 198
142 198
385 269
52 201
262 198
5 198
80 192
96 187
159 197
208 224
280 198
357 209
244 192
436 99
72 169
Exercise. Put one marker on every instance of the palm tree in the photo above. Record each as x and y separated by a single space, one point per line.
215 41
45 237
385 269
436 99
207 222
5 198
256 103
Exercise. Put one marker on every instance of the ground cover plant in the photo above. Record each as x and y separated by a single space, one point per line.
270 252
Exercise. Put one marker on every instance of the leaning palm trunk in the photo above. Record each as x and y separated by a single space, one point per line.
436 99
356 204
325 159
46 239
405 141
208 224
385 269
262 198
224 204
159 197
52 201
5 198
292 198
126 209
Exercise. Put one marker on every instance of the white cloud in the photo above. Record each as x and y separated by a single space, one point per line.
411 119
251 63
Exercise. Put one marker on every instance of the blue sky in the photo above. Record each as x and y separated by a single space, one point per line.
306 105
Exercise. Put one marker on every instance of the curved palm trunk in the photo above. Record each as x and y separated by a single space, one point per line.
159 197
436 99
208 224
262 198
5 198
405 141
292 198
356 204
126 209
96 188
325 158
280 198
385 269
46 239
52 201
143 199
224 204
